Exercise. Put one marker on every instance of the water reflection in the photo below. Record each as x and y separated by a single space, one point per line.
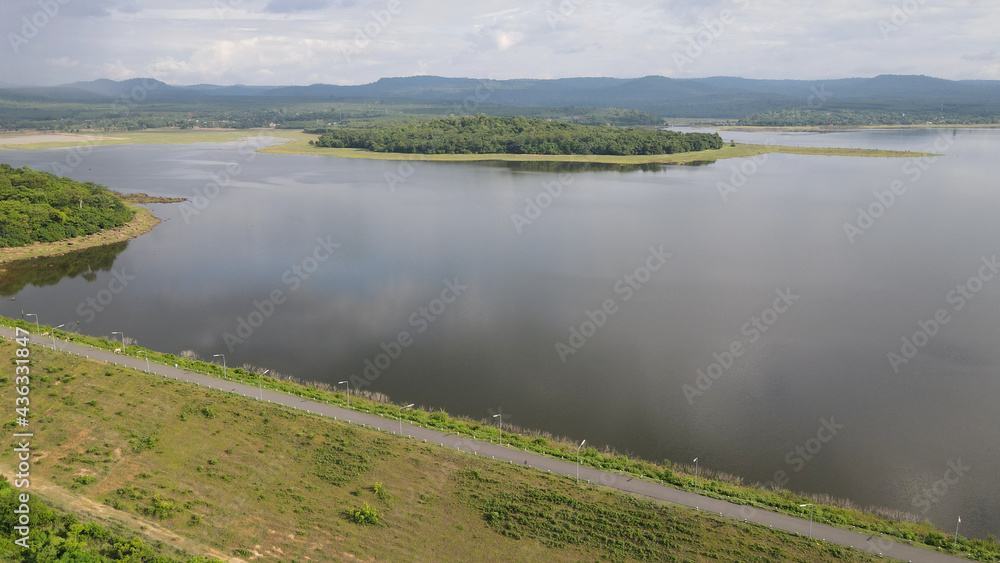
559 167
41 272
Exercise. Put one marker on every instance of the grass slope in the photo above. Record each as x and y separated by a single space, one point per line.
828 510
267 483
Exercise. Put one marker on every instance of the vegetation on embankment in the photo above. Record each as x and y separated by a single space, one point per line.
485 134
141 223
146 198
41 207
59 535
859 118
730 150
827 510
266 482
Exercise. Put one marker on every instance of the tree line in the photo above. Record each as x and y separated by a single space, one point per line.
41 207
484 134
852 118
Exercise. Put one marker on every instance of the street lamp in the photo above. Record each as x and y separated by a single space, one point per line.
695 474
223 363
123 339
260 384
348 392
53 334
578 460
500 425
147 360
399 417
38 330
810 518
955 546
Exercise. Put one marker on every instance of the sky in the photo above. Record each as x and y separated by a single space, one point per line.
297 42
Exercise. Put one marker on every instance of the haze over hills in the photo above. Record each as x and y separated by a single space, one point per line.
719 97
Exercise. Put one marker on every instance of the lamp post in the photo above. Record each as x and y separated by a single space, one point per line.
500 425
53 335
223 363
695 474
260 383
578 460
123 339
147 360
38 330
955 546
399 417
811 507
348 392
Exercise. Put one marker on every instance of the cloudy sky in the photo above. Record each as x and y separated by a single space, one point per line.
358 41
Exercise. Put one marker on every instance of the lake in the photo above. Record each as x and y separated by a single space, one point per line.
826 323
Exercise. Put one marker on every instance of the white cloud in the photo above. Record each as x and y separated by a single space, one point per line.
298 41
117 71
63 62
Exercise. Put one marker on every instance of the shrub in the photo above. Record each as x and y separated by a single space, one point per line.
380 491
364 515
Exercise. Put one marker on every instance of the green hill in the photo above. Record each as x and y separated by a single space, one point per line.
41 207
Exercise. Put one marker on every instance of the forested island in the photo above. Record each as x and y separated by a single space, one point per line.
41 207
484 134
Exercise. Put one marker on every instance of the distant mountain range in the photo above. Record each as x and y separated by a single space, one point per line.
719 97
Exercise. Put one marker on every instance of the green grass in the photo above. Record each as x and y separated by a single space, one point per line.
340 461
277 484
143 222
299 144
58 535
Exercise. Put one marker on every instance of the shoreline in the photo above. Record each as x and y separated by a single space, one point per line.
143 222
297 142
715 485
741 150
837 128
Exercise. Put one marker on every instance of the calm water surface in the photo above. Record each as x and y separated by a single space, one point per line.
411 241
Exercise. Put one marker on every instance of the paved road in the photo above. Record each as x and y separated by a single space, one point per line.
865 542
